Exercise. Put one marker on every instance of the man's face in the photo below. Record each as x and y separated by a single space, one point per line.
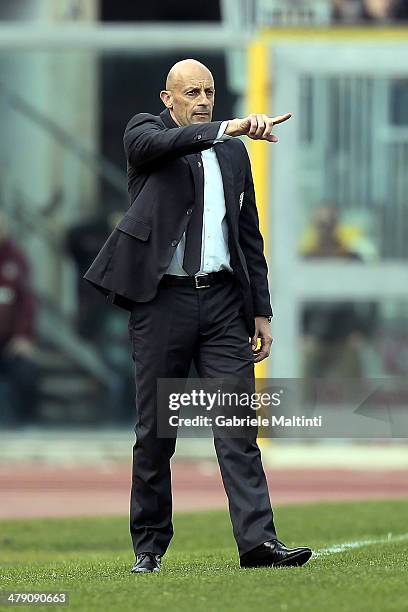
192 100
326 222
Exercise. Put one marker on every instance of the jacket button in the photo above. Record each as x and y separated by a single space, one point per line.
199 164
174 243
189 211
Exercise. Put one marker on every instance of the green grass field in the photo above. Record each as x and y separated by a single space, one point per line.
91 559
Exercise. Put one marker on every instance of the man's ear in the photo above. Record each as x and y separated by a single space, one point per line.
166 98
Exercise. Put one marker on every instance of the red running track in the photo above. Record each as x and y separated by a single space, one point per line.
38 490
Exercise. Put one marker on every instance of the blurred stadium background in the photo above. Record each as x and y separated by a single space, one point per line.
333 206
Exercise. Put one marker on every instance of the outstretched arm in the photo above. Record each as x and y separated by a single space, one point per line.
146 141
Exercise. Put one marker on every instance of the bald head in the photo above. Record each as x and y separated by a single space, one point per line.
189 93
187 69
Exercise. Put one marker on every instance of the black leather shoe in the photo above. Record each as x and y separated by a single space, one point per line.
275 554
146 563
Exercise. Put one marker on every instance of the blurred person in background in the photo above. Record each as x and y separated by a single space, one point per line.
332 331
187 260
400 10
95 322
83 241
326 238
18 367
346 11
375 11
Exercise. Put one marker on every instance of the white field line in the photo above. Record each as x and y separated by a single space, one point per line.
338 548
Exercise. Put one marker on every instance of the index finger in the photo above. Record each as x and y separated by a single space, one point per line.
281 118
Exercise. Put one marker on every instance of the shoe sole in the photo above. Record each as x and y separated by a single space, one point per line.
145 571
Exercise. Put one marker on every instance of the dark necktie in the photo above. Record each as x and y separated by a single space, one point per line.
192 251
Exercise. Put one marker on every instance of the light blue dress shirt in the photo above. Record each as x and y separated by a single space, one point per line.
214 242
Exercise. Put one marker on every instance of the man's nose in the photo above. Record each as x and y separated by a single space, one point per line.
203 100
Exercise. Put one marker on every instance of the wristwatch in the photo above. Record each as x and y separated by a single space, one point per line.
269 317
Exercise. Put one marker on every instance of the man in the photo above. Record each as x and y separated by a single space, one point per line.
18 367
187 261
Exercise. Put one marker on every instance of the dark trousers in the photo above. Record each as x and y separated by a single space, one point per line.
18 389
179 325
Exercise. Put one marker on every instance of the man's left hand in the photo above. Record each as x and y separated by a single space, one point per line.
262 333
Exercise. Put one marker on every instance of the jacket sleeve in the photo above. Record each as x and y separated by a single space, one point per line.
251 242
146 140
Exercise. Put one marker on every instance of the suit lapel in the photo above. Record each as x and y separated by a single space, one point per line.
227 173
192 160
224 161
225 164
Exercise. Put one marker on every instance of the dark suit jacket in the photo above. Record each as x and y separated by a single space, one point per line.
162 174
